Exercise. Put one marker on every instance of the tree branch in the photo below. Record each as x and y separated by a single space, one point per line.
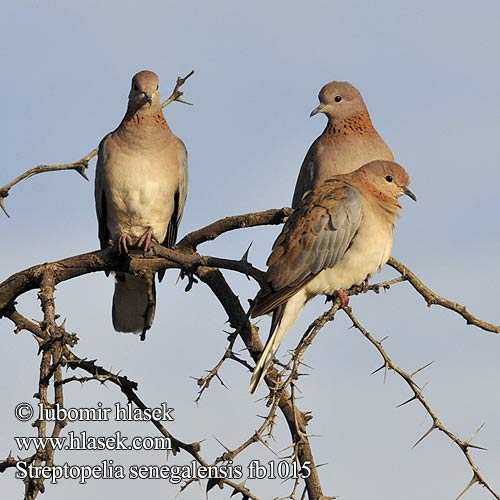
212 231
433 298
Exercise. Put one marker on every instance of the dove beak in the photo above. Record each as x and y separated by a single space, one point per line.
149 97
317 110
407 192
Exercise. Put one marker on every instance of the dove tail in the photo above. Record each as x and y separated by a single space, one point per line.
131 310
283 319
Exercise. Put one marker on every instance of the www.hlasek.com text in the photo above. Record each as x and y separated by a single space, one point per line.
82 441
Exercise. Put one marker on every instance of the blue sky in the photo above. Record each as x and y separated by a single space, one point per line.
429 74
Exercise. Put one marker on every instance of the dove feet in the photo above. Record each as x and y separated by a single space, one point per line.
123 243
126 241
341 295
146 239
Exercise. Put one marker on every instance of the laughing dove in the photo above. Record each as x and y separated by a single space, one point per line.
140 192
339 235
348 141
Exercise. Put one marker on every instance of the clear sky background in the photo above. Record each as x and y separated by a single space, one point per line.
430 76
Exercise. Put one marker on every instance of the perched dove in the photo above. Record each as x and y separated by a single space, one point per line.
348 141
338 236
140 192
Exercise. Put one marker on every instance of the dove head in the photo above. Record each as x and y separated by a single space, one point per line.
384 180
340 100
144 91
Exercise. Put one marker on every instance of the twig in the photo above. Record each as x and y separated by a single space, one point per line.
204 382
256 437
176 93
433 298
212 231
79 166
293 365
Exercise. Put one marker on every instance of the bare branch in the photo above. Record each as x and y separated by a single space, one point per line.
212 231
79 166
204 382
433 298
176 93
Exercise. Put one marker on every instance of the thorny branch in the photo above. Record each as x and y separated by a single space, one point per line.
464 445
55 343
128 388
296 420
214 230
204 382
82 164
433 298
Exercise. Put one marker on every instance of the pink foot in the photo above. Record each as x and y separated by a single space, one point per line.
123 243
146 239
343 297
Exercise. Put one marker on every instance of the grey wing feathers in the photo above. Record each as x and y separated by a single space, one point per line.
183 179
180 198
314 238
307 175
100 198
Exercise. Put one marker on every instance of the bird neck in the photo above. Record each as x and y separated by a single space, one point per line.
144 126
385 205
144 115
359 123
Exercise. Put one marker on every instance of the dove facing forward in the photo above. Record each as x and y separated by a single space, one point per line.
339 235
140 192
348 141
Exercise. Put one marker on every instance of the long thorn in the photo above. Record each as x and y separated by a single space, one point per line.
425 435
468 487
420 369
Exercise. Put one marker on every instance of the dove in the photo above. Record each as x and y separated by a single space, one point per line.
140 192
348 141
339 235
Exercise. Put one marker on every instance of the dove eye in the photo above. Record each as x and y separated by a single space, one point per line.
388 178
157 86
136 88
338 98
